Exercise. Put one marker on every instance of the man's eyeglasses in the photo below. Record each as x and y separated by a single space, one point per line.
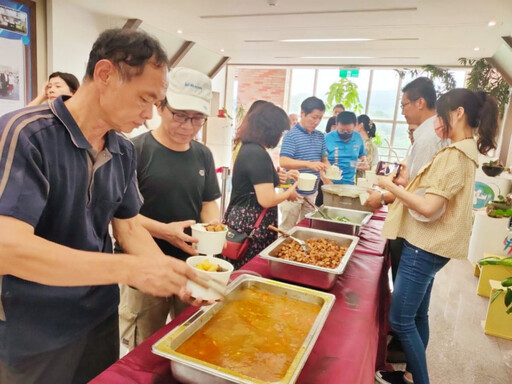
405 104
197 121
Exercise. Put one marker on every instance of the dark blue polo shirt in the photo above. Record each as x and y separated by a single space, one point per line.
50 181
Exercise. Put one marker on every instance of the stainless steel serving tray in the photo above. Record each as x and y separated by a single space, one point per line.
351 227
307 274
193 371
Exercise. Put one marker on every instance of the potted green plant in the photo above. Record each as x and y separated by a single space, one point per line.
493 168
507 283
483 77
345 92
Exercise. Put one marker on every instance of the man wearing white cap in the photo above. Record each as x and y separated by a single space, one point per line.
178 182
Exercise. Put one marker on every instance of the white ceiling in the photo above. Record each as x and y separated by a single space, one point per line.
408 32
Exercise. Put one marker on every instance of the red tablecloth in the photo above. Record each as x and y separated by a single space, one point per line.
348 349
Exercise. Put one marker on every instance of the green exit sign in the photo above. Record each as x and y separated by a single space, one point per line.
344 73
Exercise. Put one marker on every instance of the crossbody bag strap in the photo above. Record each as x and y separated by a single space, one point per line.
258 222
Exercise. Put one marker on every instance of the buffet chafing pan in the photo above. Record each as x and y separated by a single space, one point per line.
193 371
356 219
307 274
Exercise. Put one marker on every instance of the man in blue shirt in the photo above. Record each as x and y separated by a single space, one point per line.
349 146
66 172
304 149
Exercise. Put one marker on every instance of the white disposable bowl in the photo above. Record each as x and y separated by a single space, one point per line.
307 181
210 243
221 277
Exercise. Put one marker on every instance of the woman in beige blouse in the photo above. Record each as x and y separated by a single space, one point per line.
433 216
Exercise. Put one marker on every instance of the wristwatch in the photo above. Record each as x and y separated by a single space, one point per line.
382 200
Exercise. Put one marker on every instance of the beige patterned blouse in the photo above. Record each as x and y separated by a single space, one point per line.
450 174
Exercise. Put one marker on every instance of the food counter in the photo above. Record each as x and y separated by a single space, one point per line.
350 347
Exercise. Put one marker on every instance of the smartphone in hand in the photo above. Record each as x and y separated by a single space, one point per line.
384 168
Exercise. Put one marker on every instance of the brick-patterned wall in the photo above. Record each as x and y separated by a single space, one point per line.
264 84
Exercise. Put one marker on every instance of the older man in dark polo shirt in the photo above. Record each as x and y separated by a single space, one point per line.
65 174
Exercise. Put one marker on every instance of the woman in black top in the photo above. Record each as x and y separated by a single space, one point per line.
255 179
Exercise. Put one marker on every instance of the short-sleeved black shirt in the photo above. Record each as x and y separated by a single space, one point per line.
253 166
174 184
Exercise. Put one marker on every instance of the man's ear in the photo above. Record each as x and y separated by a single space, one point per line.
103 71
421 103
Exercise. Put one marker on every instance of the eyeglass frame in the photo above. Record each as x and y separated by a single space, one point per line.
186 118
402 106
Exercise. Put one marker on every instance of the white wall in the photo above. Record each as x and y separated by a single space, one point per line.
72 31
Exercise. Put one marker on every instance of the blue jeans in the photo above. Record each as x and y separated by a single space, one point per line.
409 306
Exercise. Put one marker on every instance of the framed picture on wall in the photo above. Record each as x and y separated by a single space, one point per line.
18 75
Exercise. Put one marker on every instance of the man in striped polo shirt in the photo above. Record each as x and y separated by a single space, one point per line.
303 149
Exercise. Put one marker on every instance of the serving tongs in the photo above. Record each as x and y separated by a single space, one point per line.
317 209
302 243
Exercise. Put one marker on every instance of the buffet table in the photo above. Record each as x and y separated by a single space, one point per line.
350 347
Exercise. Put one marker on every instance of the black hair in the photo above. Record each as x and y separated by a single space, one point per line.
346 117
264 125
339 106
369 126
70 79
129 50
422 87
481 112
312 103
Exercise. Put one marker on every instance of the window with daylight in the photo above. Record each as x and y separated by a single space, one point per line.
380 91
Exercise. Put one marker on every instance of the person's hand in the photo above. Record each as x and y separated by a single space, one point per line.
324 179
373 200
293 194
186 297
403 176
176 236
282 175
292 174
161 275
386 181
317 166
43 95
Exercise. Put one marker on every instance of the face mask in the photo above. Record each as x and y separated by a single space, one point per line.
345 136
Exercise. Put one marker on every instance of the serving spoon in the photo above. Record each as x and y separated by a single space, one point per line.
302 243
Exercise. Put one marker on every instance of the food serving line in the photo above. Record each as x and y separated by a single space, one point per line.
351 344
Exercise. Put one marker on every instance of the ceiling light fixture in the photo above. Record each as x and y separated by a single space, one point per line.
323 40
337 57
476 48
179 31
492 23
222 49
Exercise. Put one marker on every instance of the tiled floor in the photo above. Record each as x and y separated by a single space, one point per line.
459 352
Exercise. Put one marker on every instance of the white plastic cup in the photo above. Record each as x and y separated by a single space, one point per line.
222 278
306 182
210 243
372 177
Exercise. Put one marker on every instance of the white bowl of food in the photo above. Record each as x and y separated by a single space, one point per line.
306 182
215 271
211 238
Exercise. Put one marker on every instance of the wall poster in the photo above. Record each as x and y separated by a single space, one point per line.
18 82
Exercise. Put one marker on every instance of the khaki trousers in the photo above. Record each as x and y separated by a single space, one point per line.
141 315
294 211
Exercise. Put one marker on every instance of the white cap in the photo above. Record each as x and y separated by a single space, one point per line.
189 90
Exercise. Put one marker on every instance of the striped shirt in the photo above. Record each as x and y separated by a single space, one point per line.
299 144
50 179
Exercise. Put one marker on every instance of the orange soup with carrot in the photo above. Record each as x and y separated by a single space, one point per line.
257 335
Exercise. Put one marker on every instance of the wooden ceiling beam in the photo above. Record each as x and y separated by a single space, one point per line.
132 24
221 64
181 53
